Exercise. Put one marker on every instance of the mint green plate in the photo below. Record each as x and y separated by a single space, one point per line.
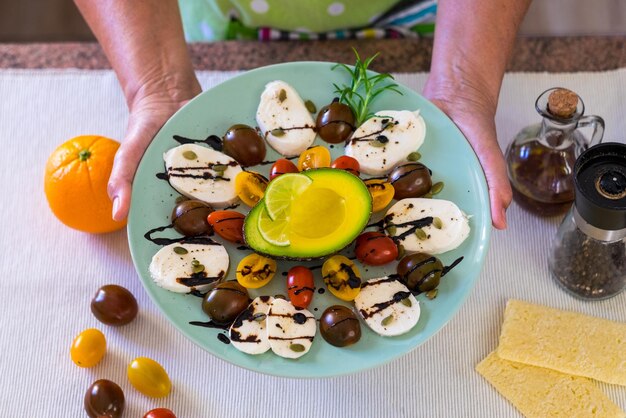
445 152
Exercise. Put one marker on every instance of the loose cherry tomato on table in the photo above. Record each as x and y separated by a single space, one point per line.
342 277
159 413
104 399
255 271
382 193
250 187
228 224
314 157
300 286
282 166
347 163
149 377
114 305
88 348
375 249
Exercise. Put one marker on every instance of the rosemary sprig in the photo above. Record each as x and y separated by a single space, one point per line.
363 88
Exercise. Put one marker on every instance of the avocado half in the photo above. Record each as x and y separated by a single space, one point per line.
355 207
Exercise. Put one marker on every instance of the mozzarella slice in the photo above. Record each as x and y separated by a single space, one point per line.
191 171
247 333
454 225
173 271
387 306
290 331
282 110
401 132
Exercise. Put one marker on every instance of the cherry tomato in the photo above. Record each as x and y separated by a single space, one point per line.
347 163
104 399
250 187
255 271
375 249
159 413
189 218
382 193
149 377
282 166
88 348
244 144
114 305
228 224
335 122
300 286
342 277
420 271
314 157
410 180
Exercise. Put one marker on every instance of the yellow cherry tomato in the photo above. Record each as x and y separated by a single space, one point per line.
88 348
382 193
149 377
255 271
250 187
314 157
342 277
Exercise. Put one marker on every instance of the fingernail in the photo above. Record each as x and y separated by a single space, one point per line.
116 207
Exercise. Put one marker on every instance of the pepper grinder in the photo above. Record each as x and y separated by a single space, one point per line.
588 254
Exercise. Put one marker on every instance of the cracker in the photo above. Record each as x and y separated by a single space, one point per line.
539 392
564 341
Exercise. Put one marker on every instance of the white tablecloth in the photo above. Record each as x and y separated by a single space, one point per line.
49 273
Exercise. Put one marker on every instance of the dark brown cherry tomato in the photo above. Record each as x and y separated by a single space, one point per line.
347 163
159 413
420 271
189 218
335 122
228 224
375 249
339 326
282 166
410 180
244 144
225 302
104 399
300 286
114 305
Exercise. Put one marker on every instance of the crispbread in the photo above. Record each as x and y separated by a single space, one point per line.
539 392
567 342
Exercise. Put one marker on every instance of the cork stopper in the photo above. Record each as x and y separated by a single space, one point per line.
562 103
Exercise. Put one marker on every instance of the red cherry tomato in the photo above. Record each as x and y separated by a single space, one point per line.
300 286
375 249
159 413
347 163
228 224
282 166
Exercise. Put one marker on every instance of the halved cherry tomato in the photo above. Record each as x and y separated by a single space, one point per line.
342 277
375 249
300 286
314 157
228 224
159 413
382 193
282 166
347 163
250 187
88 348
255 271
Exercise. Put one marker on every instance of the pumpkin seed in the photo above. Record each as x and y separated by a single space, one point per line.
428 195
377 144
195 262
219 167
278 132
420 234
414 156
198 269
391 229
432 294
387 321
190 155
407 302
298 348
437 187
180 250
437 222
401 252
259 317
282 95
180 199
310 106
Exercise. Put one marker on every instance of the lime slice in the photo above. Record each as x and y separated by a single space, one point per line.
274 231
283 190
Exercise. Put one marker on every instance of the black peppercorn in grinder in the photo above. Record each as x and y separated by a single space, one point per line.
588 254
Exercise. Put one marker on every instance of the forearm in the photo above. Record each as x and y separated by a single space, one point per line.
145 44
473 42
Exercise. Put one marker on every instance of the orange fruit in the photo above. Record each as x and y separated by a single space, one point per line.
76 178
